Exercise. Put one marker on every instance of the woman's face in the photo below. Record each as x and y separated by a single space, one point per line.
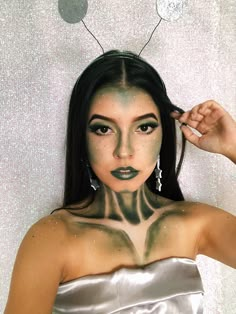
124 137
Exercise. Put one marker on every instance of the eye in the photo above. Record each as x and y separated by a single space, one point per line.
147 128
100 129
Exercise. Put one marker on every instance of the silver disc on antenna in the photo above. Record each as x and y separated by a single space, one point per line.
72 11
170 10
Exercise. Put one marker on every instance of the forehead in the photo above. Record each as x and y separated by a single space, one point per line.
122 101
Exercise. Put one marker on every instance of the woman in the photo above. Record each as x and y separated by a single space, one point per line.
125 240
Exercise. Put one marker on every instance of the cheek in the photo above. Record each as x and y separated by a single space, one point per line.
154 153
92 150
151 149
93 154
156 145
97 152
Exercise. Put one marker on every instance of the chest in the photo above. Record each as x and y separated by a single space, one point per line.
100 248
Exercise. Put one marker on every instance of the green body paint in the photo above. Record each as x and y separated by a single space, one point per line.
132 212
119 240
155 234
124 135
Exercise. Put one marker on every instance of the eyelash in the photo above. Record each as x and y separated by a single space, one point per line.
97 129
151 125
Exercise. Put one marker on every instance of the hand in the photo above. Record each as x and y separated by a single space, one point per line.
216 127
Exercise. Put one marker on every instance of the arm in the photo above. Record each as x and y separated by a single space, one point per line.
216 127
218 234
38 269
217 130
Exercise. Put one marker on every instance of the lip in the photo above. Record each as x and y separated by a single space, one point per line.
124 173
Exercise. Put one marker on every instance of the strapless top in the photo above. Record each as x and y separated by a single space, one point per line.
171 285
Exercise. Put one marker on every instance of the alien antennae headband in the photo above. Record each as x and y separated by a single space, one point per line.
74 11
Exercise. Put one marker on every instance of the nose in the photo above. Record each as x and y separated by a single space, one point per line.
124 147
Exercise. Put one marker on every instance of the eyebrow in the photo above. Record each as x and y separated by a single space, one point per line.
145 116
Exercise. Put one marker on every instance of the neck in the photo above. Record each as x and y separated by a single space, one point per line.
133 207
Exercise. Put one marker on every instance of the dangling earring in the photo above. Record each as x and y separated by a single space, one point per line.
158 173
93 182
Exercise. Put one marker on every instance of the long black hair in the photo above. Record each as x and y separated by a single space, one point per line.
115 68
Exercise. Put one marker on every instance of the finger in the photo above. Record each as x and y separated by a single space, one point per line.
214 116
211 106
210 119
191 119
195 114
190 136
193 124
203 128
184 117
206 114
175 114
206 107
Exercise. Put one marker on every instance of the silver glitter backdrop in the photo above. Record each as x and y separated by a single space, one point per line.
41 57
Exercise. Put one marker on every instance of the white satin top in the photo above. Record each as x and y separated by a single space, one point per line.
168 286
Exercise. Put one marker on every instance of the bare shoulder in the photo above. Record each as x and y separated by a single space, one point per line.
205 212
217 232
50 231
49 224
205 215
197 208
38 268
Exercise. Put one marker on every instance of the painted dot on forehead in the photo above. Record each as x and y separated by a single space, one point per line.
72 11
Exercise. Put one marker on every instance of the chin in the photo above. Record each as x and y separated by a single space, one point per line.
126 191
124 188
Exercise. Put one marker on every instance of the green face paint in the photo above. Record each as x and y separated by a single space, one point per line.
123 137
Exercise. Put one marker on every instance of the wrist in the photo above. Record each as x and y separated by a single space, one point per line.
230 153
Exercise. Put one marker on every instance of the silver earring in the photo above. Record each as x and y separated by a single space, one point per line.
158 173
93 182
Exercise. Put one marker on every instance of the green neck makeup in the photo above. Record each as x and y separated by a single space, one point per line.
133 207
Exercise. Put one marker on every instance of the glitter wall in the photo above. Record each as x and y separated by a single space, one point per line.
41 57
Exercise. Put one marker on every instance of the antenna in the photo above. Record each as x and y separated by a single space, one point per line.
150 37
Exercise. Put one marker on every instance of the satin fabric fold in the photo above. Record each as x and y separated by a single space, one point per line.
172 285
